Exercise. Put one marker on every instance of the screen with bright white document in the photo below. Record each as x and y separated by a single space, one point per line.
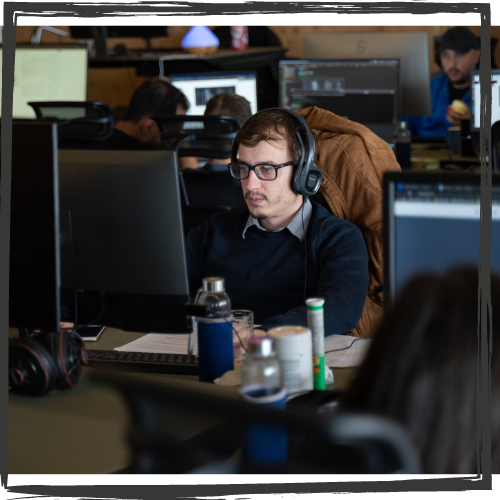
199 88
122 238
48 73
475 124
412 50
431 223
364 91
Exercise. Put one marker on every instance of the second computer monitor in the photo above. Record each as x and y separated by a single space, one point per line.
122 236
364 91
412 50
432 222
48 73
475 123
199 88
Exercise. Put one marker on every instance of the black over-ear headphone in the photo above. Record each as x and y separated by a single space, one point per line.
307 176
36 366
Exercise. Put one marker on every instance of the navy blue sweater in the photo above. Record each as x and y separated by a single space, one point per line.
266 272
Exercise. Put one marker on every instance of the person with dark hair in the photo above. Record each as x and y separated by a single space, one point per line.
227 104
458 54
422 368
281 247
137 130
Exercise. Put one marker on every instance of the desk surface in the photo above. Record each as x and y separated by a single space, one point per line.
433 156
82 430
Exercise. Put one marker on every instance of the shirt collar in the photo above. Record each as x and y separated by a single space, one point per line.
297 226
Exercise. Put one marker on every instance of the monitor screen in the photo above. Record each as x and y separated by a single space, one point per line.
48 73
199 88
364 91
475 123
412 50
431 223
122 236
34 272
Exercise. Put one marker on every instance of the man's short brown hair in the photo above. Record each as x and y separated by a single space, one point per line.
271 126
227 104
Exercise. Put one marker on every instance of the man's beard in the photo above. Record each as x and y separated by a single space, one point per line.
260 216
256 215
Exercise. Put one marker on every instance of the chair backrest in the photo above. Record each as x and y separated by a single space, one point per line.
205 188
198 135
353 161
78 121
206 137
346 443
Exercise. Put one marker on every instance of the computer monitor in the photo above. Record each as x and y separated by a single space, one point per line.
34 272
365 91
475 123
412 50
431 223
122 237
199 88
48 73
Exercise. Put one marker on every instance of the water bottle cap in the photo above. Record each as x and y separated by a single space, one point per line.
213 285
261 346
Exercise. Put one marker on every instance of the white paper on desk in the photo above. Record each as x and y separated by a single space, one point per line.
164 343
347 350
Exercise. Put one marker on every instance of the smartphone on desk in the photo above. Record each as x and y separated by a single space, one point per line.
90 333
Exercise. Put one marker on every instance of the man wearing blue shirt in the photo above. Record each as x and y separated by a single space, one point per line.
458 55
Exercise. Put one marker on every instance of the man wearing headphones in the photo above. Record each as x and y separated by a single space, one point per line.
281 248
457 55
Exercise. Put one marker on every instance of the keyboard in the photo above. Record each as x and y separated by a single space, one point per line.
147 362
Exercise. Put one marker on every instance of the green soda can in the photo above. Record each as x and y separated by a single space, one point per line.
316 324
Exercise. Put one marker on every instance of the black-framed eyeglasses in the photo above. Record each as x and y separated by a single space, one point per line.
263 171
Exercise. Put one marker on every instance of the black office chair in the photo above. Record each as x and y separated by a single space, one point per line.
80 123
163 412
258 36
205 191
198 135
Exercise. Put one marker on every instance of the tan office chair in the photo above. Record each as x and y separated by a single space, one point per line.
353 160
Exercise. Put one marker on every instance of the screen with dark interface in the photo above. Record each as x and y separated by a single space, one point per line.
364 91
433 223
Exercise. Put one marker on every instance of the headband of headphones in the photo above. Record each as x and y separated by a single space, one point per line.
307 176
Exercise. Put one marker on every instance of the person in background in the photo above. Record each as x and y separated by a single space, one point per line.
225 104
422 368
458 55
137 130
281 247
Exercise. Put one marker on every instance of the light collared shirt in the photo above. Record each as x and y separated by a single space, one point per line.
297 226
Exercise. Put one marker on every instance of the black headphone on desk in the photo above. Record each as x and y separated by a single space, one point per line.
307 176
38 365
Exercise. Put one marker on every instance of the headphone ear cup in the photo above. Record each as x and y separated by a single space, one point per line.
31 369
68 352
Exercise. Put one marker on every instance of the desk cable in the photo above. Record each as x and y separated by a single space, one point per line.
344 348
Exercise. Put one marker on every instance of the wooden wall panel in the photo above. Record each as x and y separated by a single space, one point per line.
115 86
